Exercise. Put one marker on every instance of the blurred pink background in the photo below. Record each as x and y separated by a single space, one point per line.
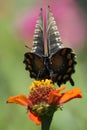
70 20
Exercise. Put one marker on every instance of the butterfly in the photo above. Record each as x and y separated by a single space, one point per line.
48 58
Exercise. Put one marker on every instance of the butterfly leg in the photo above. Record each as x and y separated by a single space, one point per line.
39 75
52 76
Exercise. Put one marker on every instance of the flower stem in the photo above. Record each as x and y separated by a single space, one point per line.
46 122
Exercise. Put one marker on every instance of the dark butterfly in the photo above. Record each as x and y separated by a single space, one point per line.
57 62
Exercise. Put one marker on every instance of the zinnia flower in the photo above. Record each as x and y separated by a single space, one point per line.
44 99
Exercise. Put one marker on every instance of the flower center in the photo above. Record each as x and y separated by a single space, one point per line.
39 96
40 91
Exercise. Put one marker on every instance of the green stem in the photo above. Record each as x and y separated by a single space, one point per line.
46 122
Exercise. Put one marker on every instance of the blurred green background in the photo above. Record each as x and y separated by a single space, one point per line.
15 80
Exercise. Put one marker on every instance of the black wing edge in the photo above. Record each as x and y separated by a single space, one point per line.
68 66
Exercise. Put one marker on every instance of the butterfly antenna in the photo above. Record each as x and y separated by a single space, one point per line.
28 47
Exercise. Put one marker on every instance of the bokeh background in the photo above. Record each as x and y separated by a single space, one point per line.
17 21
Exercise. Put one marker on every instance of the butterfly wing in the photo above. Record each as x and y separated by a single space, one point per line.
34 59
53 37
63 63
62 60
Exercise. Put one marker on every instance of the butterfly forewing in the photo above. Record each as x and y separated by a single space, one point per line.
38 41
53 36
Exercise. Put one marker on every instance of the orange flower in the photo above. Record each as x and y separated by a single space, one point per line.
44 99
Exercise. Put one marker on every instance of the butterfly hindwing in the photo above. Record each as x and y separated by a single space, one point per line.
63 63
34 64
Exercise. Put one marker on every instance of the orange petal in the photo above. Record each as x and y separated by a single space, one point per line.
34 118
20 99
70 94
60 89
53 96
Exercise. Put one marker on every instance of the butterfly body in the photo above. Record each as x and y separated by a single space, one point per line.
58 64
